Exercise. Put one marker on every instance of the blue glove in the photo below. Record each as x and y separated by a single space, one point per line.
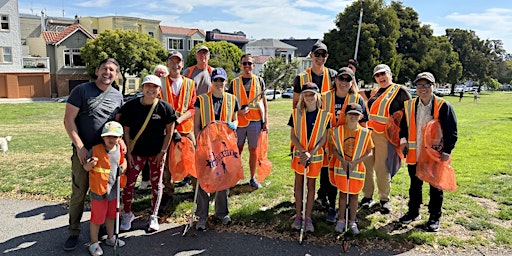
232 126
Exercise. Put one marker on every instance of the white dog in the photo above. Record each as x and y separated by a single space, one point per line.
3 143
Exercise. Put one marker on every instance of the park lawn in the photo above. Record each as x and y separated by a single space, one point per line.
477 215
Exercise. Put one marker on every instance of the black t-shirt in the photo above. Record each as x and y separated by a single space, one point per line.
217 105
133 115
318 80
338 105
310 121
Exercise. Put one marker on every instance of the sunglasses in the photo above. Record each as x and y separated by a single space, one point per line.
219 80
346 79
383 73
318 54
247 63
423 86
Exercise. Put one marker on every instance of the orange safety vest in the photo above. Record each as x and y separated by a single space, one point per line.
328 102
208 113
240 93
410 115
337 174
185 98
379 111
191 70
305 77
100 173
300 130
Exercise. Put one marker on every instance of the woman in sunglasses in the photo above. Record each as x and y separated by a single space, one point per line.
335 101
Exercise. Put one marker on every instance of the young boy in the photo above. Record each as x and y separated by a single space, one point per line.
104 163
352 144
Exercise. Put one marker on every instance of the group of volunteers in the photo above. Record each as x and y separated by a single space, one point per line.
338 132
355 138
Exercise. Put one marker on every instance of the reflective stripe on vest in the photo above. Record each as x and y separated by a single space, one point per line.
410 115
379 111
208 113
329 102
305 77
100 174
360 146
243 99
184 100
319 128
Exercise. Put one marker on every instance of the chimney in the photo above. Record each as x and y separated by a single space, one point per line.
43 21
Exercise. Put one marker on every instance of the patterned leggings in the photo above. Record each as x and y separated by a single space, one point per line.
155 176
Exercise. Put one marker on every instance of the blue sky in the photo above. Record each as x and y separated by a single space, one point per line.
490 19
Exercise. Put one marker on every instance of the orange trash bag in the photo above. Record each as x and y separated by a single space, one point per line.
181 159
430 168
218 162
392 131
264 165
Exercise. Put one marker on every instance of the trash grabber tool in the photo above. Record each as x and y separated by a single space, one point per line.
344 243
116 244
359 30
304 200
194 208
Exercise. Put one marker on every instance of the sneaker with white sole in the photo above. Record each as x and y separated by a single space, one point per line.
144 185
340 226
153 223
254 183
309 225
95 249
297 223
201 224
126 221
112 241
353 227
226 220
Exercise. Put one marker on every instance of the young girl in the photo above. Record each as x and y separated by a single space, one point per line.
308 134
105 161
351 145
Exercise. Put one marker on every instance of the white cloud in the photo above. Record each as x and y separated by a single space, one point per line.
94 3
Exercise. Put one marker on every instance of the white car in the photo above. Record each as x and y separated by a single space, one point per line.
288 94
269 94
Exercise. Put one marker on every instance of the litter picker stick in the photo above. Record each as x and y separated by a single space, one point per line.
304 200
345 244
194 208
116 244
359 30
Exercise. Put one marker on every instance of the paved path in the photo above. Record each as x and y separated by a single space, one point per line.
39 228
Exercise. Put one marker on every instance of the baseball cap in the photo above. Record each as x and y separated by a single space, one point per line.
175 53
381 68
202 47
319 46
310 87
112 128
346 71
152 79
354 108
425 75
219 72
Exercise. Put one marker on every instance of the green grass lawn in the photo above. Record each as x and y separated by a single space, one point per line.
479 214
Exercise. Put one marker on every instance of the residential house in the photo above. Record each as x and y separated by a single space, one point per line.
270 47
181 39
20 77
303 48
238 38
259 62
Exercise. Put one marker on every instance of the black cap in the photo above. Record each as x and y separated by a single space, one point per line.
354 108
310 87
346 71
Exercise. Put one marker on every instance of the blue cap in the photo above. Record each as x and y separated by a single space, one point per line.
219 72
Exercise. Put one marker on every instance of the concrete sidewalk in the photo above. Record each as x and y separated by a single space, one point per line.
40 228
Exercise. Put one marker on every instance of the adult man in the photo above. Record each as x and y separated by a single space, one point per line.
324 78
249 90
180 92
418 112
201 72
383 103
88 108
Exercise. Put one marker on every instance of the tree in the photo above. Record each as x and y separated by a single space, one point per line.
278 74
222 54
135 52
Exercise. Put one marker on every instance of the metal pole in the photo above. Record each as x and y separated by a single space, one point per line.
359 30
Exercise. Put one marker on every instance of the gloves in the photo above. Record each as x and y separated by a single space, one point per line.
176 136
232 126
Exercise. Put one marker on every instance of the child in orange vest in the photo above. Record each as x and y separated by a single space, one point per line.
308 134
104 163
351 145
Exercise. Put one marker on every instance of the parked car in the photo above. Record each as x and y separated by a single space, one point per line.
288 94
442 91
269 94
131 96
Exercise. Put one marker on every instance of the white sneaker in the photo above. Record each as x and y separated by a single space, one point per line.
112 241
153 223
144 185
95 249
340 226
126 222
353 227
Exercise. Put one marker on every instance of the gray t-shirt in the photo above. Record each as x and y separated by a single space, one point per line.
111 194
96 107
201 77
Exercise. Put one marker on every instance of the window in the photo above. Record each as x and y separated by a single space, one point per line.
5 54
95 31
4 22
72 58
131 84
176 44
151 34
194 43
